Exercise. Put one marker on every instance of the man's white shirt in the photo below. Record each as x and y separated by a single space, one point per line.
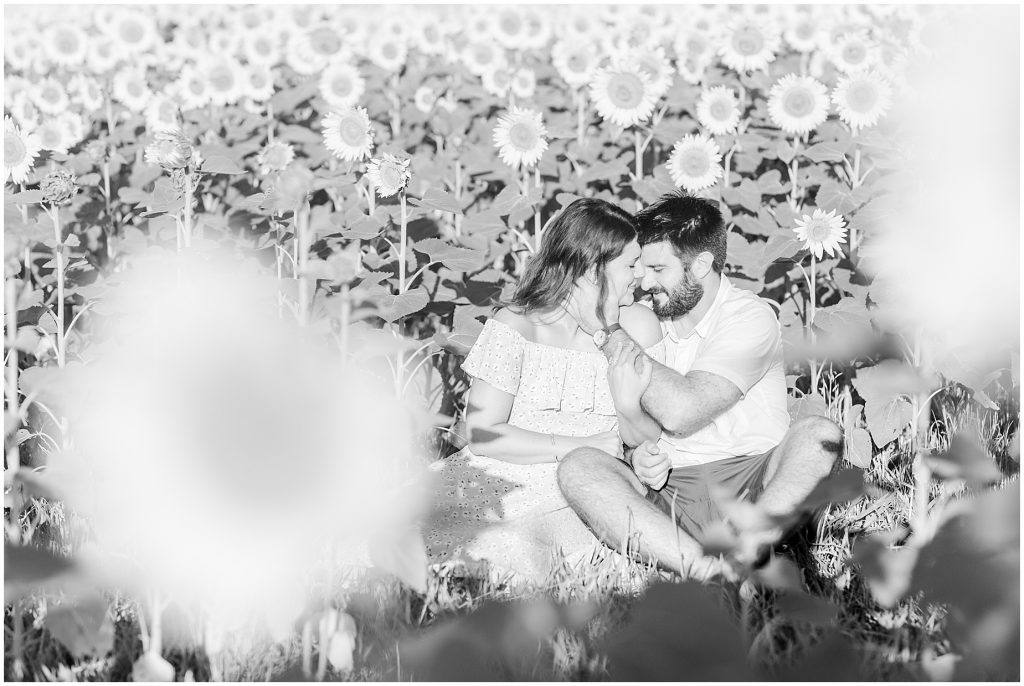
740 339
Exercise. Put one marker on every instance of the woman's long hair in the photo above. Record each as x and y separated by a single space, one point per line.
588 233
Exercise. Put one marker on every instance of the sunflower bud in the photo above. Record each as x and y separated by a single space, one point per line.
97 151
58 187
169 149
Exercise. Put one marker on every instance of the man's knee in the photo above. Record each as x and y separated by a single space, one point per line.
577 468
821 431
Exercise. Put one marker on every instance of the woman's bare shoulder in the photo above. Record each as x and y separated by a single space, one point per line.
516 321
641 323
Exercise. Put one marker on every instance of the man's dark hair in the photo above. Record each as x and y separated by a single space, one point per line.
692 225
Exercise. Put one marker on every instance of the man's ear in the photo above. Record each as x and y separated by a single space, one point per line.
702 264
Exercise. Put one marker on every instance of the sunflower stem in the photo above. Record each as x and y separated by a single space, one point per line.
538 230
581 115
58 260
302 257
401 245
812 282
458 197
11 387
23 208
638 150
270 122
188 211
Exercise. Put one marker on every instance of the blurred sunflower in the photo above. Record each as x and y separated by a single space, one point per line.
300 55
274 157
132 30
104 55
353 27
389 174
74 127
852 52
21 51
15 85
653 62
424 99
481 57
162 113
576 61
131 88
821 232
804 31
748 43
524 83
24 111
579 25
694 53
86 92
862 99
538 28
257 82
50 96
498 82
695 163
718 110
192 88
224 76
798 104
520 137
508 27
66 44
52 135
224 42
347 134
622 94
341 85
262 46
387 51
20 152
325 42
430 35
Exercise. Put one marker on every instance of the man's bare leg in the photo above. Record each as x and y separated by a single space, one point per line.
609 498
804 457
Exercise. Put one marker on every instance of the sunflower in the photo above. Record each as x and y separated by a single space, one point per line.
622 94
257 82
225 78
131 30
748 43
430 36
852 52
653 63
262 46
424 99
804 31
798 104
66 44
695 163
274 157
162 114
21 51
74 127
341 85
325 41
538 29
576 61
821 232
300 55
13 86
524 83
50 96
580 26
347 134
388 174
481 57
387 51
104 55
520 137
20 152
131 89
86 92
24 111
862 99
508 27
193 88
51 135
498 82
224 42
718 110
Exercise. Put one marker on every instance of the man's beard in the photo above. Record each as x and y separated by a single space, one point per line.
681 299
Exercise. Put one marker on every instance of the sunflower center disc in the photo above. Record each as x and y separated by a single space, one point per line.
352 132
719 110
861 97
798 103
522 136
510 24
748 42
51 95
854 54
341 86
14 150
131 32
196 87
324 41
483 55
67 44
50 137
805 31
694 46
695 163
577 63
221 79
818 231
390 177
134 89
390 51
625 91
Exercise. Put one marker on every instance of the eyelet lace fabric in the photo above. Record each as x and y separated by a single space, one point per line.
514 516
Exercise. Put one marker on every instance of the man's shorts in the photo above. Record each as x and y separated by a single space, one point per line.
690 488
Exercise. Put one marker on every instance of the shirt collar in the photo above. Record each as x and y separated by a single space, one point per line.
701 329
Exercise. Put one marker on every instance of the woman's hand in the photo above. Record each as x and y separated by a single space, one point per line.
629 374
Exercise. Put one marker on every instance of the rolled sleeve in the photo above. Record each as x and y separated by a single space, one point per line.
742 348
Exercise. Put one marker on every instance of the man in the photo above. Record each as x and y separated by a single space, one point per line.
720 399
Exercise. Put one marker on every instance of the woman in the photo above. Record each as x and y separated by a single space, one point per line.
541 388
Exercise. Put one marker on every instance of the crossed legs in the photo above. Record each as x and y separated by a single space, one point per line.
610 499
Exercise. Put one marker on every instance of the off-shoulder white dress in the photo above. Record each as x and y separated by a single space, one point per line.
514 516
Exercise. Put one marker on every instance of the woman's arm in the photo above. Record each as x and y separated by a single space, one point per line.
490 434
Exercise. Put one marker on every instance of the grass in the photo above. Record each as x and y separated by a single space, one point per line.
583 607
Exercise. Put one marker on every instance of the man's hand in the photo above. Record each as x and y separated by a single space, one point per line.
651 465
629 374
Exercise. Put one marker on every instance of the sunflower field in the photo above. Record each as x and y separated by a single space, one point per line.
248 246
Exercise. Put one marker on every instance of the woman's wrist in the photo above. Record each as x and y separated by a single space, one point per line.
562 446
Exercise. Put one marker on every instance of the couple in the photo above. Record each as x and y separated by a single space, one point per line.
592 417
